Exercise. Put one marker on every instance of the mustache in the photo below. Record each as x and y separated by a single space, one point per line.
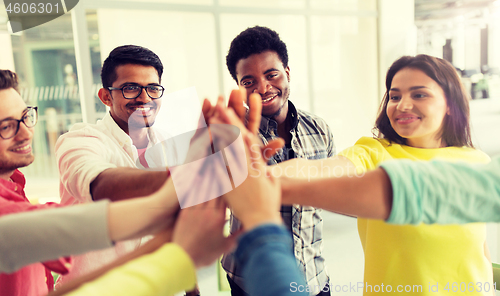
270 94
150 104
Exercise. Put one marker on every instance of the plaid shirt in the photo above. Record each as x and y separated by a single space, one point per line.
311 139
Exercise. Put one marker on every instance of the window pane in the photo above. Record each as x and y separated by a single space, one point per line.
353 5
292 4
185 43
199 2
44 59
344 54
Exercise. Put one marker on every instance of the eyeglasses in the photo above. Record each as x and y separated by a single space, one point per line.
10 127
132 91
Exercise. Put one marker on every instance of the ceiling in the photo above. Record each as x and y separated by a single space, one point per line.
425 10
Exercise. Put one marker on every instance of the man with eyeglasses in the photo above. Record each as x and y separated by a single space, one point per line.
16 134
98 161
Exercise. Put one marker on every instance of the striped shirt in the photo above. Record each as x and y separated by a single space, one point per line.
311 139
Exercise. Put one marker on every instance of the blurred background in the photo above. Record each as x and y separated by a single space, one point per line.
339 52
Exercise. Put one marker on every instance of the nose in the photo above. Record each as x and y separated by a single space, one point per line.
263 87
143 97
406 103
24 132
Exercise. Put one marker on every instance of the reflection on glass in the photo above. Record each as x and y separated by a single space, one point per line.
292 4
343 5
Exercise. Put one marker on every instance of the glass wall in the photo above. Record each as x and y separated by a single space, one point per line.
44 59
332 47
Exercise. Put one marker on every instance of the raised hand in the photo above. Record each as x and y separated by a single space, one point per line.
258 199
199 231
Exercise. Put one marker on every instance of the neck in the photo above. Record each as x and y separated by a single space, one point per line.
281 117
6 175
139 137
426 144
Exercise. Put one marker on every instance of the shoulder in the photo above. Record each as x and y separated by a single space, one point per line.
374 143
315 129
312 120
85 133
367 152
468 154
310 124
82 130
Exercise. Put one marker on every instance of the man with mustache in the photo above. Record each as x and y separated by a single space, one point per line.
98 161
258 61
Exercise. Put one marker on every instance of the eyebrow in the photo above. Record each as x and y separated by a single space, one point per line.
265 72
411 88
135 83
10 117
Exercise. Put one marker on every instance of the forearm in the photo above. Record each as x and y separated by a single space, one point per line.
301 168
137 217
124 183
267 260
71 231
165 272
367 196
443 192
147 248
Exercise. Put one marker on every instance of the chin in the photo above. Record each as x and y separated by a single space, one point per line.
141 123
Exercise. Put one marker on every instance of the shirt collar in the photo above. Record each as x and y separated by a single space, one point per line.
116 131
267 124
122 136
16 185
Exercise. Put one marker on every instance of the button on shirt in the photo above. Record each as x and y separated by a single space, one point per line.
311 139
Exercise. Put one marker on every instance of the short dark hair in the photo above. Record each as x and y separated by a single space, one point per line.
254 41
8 79
128 54
456 128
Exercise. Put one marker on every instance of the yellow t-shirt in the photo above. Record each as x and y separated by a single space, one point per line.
417 258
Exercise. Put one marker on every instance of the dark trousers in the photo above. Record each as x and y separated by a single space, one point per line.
237 291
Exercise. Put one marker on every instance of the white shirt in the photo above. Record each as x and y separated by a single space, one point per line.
82 154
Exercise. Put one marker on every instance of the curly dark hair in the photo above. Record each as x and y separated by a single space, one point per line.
254 41
456 129
8 79
128 54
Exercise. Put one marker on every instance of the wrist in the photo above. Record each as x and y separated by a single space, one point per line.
258 220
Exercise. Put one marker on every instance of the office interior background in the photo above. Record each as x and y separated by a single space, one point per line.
339 52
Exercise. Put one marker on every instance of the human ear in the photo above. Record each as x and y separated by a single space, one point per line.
105 97
287 71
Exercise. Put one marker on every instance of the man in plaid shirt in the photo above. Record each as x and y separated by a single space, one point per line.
258 61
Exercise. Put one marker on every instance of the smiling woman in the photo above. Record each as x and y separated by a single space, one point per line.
430 82
424 115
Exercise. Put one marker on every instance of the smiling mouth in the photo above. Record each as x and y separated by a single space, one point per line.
22 148
142 110
269 99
